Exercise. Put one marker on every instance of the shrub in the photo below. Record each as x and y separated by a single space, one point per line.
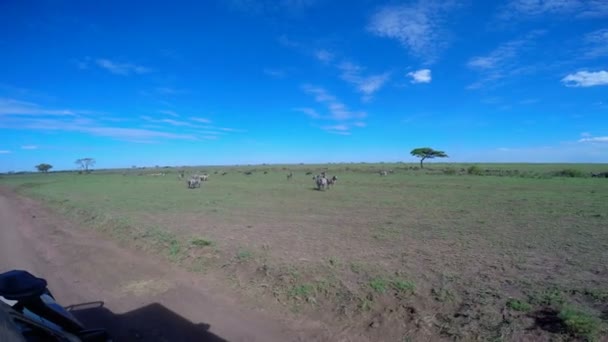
198 242
403 286
449 171
569 173
518 305
474 170
580 323
379 285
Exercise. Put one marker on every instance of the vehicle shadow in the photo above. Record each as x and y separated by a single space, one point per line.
153 322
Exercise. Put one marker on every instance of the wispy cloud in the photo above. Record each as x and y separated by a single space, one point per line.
29 147
586 79
594 140
5 152
201 120
270 7
169 112
179 123
16 107
596 44
367 85
324 55
170 91
503 61
518 9
121 68
337 129
88 126
311 112
129 133
285 41
419 27
420 76
276 73
344 119
337 109
30 116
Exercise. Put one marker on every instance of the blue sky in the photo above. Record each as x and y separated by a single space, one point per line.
287 81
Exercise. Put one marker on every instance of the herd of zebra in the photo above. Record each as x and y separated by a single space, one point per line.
322 181
196 180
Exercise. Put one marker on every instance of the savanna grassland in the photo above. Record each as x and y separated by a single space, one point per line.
490 252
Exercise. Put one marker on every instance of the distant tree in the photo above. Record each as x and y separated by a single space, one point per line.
85 163
44 167
427 153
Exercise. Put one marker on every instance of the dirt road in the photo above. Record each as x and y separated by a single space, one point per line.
145 299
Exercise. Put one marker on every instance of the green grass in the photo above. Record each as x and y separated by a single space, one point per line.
379 285
518 305
403 286
175 250
244 255
198 242
503 232
302 291
580 323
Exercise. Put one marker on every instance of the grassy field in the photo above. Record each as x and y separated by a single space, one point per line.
511 252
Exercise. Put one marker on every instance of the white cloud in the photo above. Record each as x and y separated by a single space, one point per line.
289 43
341 129
311 112
336 128
270 7
324 56
367 85
121 68
504 60
170 91
517 9
596 44
16 107
175 122
595 139
30 116
201 120
169 112
5 152
418 27
29 147
420 76
338 111
276 73
586 79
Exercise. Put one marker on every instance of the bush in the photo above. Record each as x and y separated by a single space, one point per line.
518 305
580 323
474 170
569 173
449 171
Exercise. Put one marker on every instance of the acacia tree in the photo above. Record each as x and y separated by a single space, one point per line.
427 153
85 163
43 167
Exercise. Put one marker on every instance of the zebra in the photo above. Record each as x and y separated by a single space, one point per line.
383 173
321 182
194 183
331 181
204 178
290 176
